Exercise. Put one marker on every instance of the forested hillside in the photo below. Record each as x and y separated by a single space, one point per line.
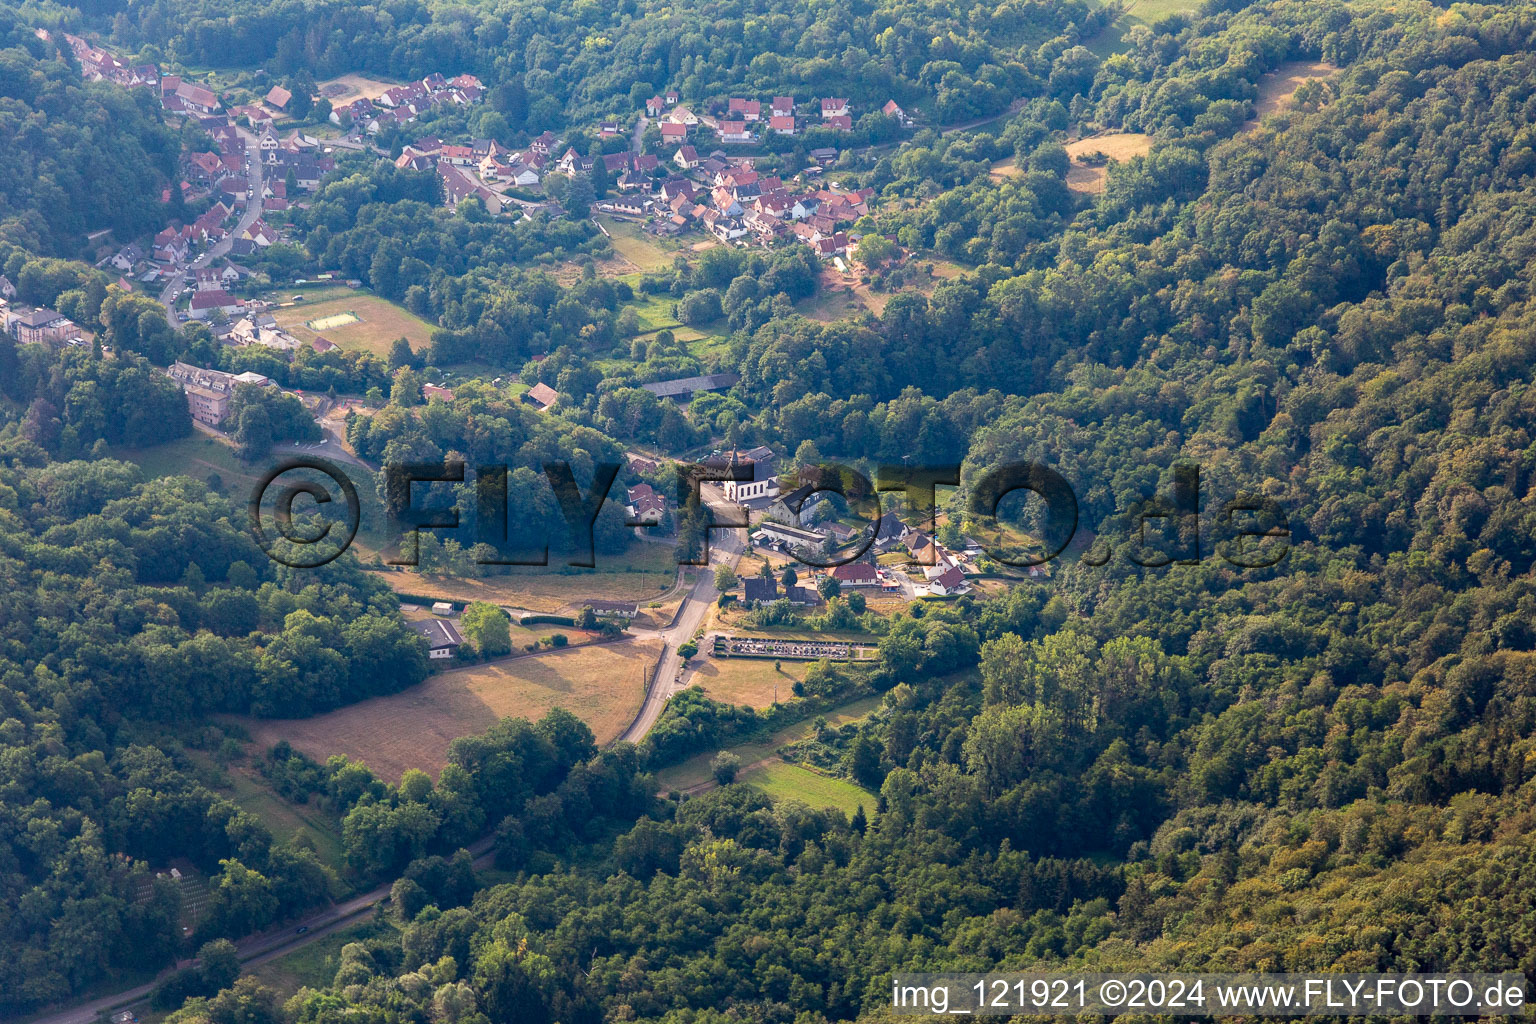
1322 764
81 157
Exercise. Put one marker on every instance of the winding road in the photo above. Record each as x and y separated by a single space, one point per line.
725 546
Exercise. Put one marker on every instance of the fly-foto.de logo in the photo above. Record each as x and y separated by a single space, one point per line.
305 512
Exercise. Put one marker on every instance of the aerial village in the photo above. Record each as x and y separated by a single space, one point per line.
677 172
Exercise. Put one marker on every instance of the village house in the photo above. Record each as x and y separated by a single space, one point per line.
644 505
782 124
458 186
673 132
794 538
782 106
604 609
542 395
747 110
278 97
431 391
840 122
833 108
856 574
654 106
687 158
950 582
196 97
892 109
442 637
210 305
759 589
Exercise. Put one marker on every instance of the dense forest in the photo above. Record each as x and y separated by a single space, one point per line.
1325 764
80 157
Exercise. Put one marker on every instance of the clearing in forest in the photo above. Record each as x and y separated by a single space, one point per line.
603 685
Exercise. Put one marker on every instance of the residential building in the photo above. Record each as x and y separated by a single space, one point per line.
762 589
612 609
644 504
42 327
792 537
209 391
856 574
542 395
442 637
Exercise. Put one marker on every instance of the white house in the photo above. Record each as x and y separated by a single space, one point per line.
443 638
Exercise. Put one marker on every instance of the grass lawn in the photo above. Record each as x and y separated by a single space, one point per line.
631 242
379 321
200 457
1137 12
782 781
315 964
312 827
642 573
749 680
695 770
602 685
655 312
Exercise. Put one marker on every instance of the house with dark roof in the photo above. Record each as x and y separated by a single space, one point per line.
856 574
613 609
442 637
644 504
684 387
950 581
762 589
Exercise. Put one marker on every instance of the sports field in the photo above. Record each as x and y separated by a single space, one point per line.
330 323
602 685
354 320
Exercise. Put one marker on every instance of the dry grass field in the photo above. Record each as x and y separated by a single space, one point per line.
602 685
379 323
644 573
1116 146
751 681
347 88
1277 87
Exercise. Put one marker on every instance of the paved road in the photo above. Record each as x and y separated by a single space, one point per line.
252 212
258 949
725 547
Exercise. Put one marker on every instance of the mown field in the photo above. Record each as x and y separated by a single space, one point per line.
602 685
642 574
288 821
380 321
315 964
783 781
695 770
213 461
752 681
